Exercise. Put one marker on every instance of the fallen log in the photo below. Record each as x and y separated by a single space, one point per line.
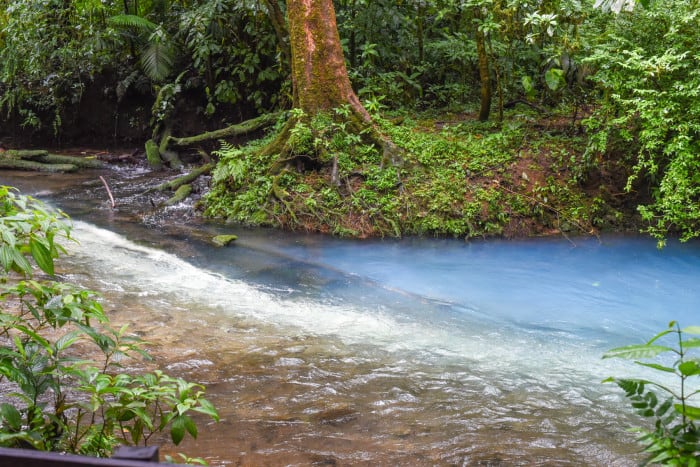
25 153
82 162
42 156
22 164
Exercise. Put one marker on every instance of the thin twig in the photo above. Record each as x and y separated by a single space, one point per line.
109 192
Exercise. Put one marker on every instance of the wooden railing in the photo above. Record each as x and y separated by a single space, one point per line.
123 457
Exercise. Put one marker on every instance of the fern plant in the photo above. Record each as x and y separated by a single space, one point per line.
156 50
673 411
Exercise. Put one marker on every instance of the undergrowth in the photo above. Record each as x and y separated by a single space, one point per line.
458 178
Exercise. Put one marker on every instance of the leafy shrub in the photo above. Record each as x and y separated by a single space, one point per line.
647 69
61 359
673 410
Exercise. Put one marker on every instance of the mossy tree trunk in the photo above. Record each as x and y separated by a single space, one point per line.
319 76
320 81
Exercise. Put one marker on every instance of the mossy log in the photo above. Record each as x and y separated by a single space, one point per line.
81 162
25 153
185 179
181 193
40 158
238 129
168 155
153 155
21 164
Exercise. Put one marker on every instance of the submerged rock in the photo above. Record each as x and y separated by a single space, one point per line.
223 240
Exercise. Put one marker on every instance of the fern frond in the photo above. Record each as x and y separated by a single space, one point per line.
132 22
157 60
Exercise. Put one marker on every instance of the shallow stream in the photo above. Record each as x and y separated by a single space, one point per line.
325 351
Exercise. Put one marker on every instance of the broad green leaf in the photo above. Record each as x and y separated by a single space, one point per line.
689 411
6 257
20 263
207 408
41 255
637 351
692 330
11 416
190 426
528 87
693 342
554 77
689 368
67 340
177 430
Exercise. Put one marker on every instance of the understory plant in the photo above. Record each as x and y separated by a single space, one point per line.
672 409
63 377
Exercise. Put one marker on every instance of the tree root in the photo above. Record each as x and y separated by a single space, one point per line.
164 152
176 183
182 192
280 193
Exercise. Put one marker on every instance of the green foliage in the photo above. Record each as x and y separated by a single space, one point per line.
652 105
672 410
439 181
48 54
61 360
233 47
28 229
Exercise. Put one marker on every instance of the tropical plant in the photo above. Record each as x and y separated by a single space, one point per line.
673 409
61 360
651 110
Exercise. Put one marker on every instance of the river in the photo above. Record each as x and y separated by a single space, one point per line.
324 351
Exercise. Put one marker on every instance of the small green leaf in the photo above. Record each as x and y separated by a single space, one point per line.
689 411
692 330
656 366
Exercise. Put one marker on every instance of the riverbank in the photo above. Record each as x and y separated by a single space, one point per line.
454 176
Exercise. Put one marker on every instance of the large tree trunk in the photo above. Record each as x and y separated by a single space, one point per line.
319 76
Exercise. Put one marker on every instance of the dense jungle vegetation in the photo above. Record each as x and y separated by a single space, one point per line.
501 117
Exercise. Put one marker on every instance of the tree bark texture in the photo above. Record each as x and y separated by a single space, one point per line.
319 76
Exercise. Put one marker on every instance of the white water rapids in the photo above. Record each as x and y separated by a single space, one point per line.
385 353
